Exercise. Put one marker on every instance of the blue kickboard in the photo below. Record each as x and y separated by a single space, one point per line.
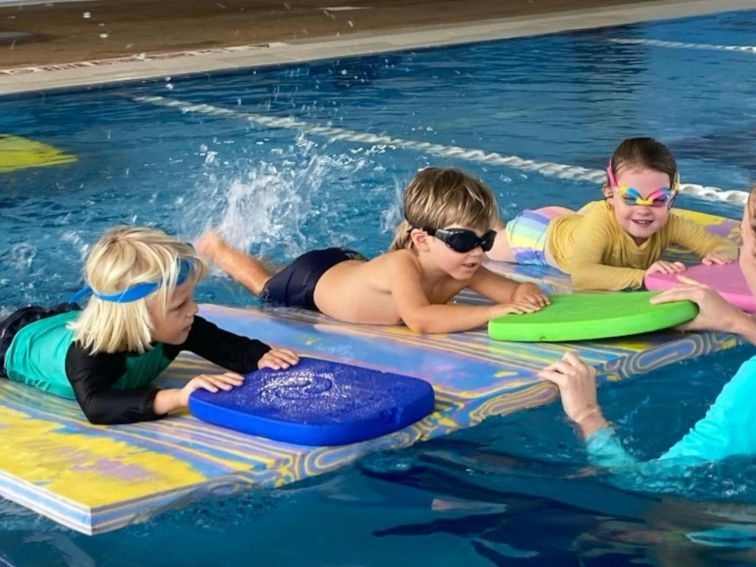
317 402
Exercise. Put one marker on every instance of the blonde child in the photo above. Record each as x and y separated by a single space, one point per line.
439 249
619 241
140 316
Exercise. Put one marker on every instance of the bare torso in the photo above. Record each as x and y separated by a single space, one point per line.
360 292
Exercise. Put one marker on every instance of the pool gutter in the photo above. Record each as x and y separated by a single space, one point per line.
171 64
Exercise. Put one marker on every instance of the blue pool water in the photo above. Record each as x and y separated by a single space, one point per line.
513 490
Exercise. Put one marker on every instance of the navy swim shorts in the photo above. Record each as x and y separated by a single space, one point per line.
294 286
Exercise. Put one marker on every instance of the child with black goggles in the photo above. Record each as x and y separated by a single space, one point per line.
414 281
615 243
462 239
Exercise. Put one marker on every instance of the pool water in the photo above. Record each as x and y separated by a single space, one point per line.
513 490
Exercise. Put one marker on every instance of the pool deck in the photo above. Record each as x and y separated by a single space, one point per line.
49 46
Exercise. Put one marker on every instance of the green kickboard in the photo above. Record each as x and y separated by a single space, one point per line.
583 316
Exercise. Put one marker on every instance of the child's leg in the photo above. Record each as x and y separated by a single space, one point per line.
501 250
523 239
242 267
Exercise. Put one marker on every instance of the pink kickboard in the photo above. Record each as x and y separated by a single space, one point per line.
728 280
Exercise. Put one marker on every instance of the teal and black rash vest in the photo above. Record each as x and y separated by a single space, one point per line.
115 387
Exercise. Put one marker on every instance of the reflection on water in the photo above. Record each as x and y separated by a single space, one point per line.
515 489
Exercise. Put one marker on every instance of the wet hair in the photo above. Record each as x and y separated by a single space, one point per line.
123 257
439 197
644 152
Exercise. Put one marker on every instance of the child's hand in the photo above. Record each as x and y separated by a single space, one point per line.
718 258
665 267
211 383
577 385
529 292
518 307
277 359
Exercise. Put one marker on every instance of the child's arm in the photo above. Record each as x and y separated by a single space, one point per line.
92 378
593 253
693 236
587 275
175 398
501 289
421 316
231 351
586 259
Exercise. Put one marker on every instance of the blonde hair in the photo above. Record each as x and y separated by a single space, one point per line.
123 257
440 197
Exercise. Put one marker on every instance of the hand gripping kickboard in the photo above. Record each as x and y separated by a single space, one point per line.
583 316
317 402
726 279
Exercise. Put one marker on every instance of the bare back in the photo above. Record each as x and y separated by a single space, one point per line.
361 292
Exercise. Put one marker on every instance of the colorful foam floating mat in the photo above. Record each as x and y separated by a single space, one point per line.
94 479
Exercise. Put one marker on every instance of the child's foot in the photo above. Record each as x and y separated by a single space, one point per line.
208 245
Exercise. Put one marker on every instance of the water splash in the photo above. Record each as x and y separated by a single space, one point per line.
75 239
394 214
278 207
21 257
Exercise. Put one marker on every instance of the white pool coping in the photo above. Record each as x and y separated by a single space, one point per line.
141 66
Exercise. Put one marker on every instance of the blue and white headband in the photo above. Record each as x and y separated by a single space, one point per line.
134 292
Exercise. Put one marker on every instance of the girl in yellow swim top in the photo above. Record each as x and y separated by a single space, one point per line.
613 244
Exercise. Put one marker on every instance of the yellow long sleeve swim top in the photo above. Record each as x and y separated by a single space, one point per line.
600 255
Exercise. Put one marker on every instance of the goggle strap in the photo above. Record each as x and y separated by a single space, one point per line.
613 181
610 175
134 292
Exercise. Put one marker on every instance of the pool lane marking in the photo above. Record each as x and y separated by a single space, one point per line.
681 45
547 168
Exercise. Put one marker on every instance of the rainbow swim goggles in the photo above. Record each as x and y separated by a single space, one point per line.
134 292
631 196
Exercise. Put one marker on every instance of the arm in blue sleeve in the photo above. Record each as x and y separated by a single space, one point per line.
727 429
605 450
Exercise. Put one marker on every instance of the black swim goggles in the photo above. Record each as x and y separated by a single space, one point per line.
463 240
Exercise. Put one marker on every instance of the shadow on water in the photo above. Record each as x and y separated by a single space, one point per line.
519 489
562 514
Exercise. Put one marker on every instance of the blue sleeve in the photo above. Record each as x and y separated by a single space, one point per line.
728 427
605 450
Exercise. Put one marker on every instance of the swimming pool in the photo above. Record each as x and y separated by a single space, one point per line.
277 182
